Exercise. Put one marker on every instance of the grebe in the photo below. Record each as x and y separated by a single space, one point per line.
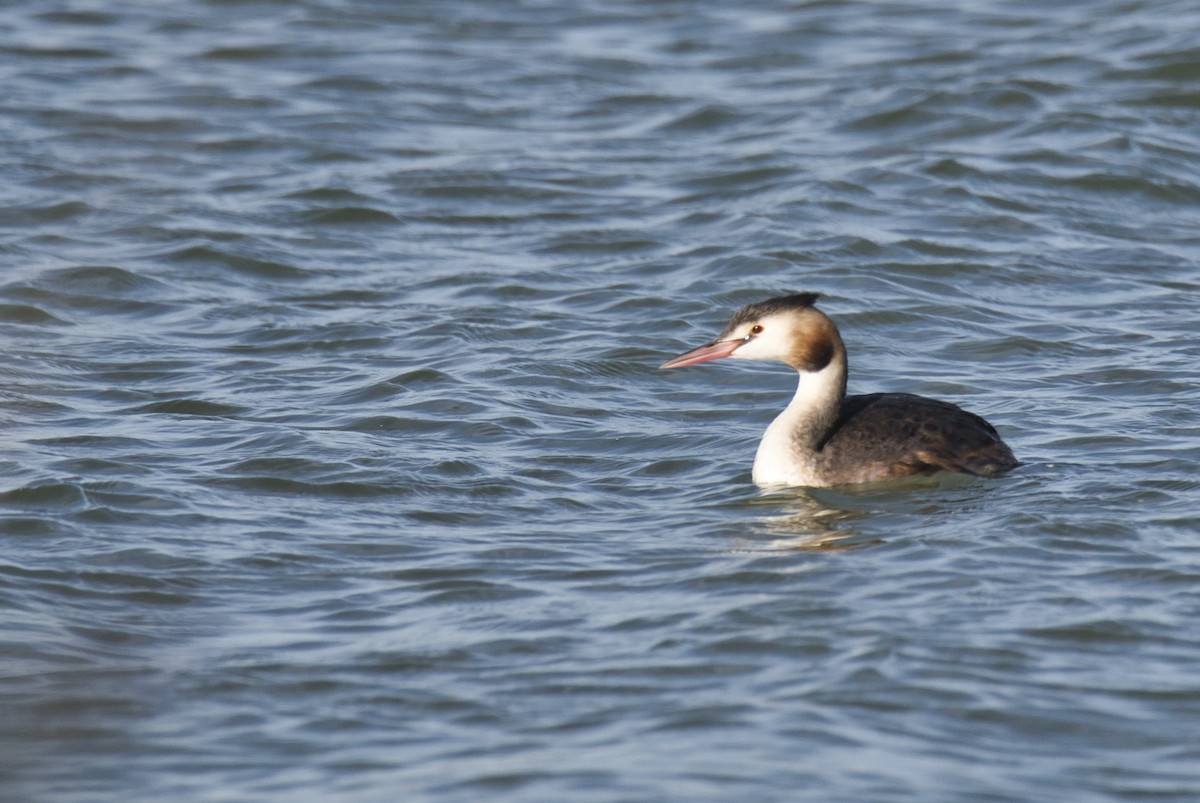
825 437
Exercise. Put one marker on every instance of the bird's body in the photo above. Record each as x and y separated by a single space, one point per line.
825 437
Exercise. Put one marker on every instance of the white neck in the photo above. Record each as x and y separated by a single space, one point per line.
788 453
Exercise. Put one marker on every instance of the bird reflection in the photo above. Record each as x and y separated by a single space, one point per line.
803 522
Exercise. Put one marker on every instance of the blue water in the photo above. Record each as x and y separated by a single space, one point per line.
335 464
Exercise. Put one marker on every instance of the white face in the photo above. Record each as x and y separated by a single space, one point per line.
800 337
770 338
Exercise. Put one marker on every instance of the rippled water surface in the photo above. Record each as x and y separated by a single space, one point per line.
336 464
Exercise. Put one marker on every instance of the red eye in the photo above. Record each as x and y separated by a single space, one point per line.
756 329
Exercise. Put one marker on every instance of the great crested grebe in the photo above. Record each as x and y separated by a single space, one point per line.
825 437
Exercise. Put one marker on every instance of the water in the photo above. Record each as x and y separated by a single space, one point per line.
336 464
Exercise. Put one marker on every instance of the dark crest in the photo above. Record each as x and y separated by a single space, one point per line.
753 312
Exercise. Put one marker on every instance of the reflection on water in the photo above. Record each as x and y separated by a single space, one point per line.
801 520
826 518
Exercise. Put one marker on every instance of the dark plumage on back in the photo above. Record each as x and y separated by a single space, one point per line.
915 435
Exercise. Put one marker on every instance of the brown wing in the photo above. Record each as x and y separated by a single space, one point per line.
902 434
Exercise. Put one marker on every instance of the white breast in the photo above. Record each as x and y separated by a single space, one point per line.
787 454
